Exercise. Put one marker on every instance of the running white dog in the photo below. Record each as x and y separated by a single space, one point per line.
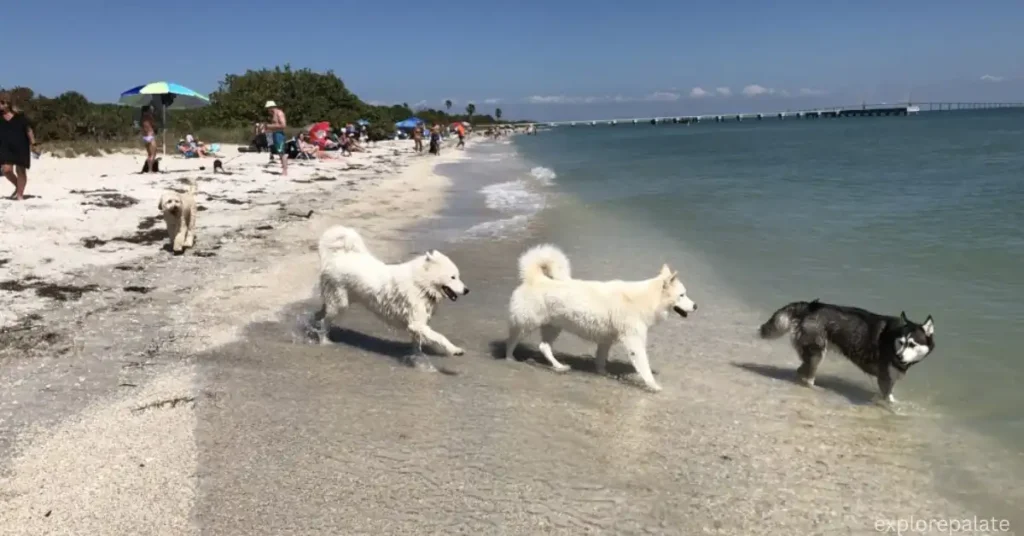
403 295
604 312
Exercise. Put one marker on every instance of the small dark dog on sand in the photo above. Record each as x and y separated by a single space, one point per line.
884 347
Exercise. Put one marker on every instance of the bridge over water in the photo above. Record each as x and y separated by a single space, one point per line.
862 110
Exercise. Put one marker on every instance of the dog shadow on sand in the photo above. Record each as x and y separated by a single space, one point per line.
401 351
614 368
855 393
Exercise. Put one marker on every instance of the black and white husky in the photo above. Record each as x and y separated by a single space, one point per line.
882 346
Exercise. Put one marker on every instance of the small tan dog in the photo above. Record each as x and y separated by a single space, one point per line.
180 214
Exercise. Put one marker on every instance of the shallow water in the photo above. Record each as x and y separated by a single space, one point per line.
921 214
918 214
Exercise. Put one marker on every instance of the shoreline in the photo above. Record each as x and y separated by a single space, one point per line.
970 468
222 336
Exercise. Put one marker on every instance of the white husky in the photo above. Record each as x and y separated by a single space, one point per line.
604 312
403 295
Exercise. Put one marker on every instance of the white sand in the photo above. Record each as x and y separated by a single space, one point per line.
44 236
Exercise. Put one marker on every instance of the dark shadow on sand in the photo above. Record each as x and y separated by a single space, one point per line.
854 393
400 351
617 369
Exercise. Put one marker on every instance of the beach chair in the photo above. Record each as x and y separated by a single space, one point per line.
303 155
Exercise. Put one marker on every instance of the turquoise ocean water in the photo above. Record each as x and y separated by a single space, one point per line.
923 214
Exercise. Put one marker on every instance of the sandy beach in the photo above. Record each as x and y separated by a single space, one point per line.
142 393
99 320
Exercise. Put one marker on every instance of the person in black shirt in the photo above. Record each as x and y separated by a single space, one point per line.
16 143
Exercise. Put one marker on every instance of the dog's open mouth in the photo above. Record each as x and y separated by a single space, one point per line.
681 312
449 292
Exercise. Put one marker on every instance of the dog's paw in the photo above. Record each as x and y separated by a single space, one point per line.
456 351
561 367
654 388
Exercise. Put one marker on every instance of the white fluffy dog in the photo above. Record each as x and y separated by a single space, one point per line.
179 211
604 312
403 295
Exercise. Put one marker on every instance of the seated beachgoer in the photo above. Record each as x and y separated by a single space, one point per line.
308 148
187 150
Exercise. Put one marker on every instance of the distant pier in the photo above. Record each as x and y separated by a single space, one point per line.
863 110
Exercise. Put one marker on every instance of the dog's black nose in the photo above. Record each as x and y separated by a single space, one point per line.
695 307
466 291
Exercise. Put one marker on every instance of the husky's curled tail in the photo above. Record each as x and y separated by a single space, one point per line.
544 261
340 239
785 318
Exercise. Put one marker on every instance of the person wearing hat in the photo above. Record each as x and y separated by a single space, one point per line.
276 130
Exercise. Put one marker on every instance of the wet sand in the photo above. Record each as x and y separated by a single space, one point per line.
230 422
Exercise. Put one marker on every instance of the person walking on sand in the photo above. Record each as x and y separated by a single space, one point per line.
276 130
148 124
16 143
417 138
461 130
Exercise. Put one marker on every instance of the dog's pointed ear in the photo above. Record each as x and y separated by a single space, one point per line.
160 204
928 326
903 317
666 272
431 255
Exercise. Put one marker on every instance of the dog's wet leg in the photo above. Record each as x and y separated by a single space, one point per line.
811 357
548 334
885 385
322 325
515 334
601 357
418 359
637 348
426 334
335 303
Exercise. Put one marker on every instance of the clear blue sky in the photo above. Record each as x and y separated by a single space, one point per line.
555 59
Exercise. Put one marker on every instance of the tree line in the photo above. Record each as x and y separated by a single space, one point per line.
305 95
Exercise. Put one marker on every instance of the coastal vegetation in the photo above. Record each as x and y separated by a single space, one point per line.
71 120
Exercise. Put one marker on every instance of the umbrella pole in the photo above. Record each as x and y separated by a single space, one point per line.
164 109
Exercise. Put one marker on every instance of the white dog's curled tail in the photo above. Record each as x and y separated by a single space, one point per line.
545 261
193 186
340 239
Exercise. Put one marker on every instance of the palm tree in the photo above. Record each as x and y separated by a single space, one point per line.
448 105
497 114
470 110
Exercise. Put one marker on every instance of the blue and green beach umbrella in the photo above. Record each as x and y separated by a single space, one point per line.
165 95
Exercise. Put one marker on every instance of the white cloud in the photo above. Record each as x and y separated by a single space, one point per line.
992 78
663 96
492 101
810 92
565 99
723 91
377 103
698 92
553 99
420 105
754 90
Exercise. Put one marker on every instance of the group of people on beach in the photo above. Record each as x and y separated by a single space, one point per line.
435 138
17 144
